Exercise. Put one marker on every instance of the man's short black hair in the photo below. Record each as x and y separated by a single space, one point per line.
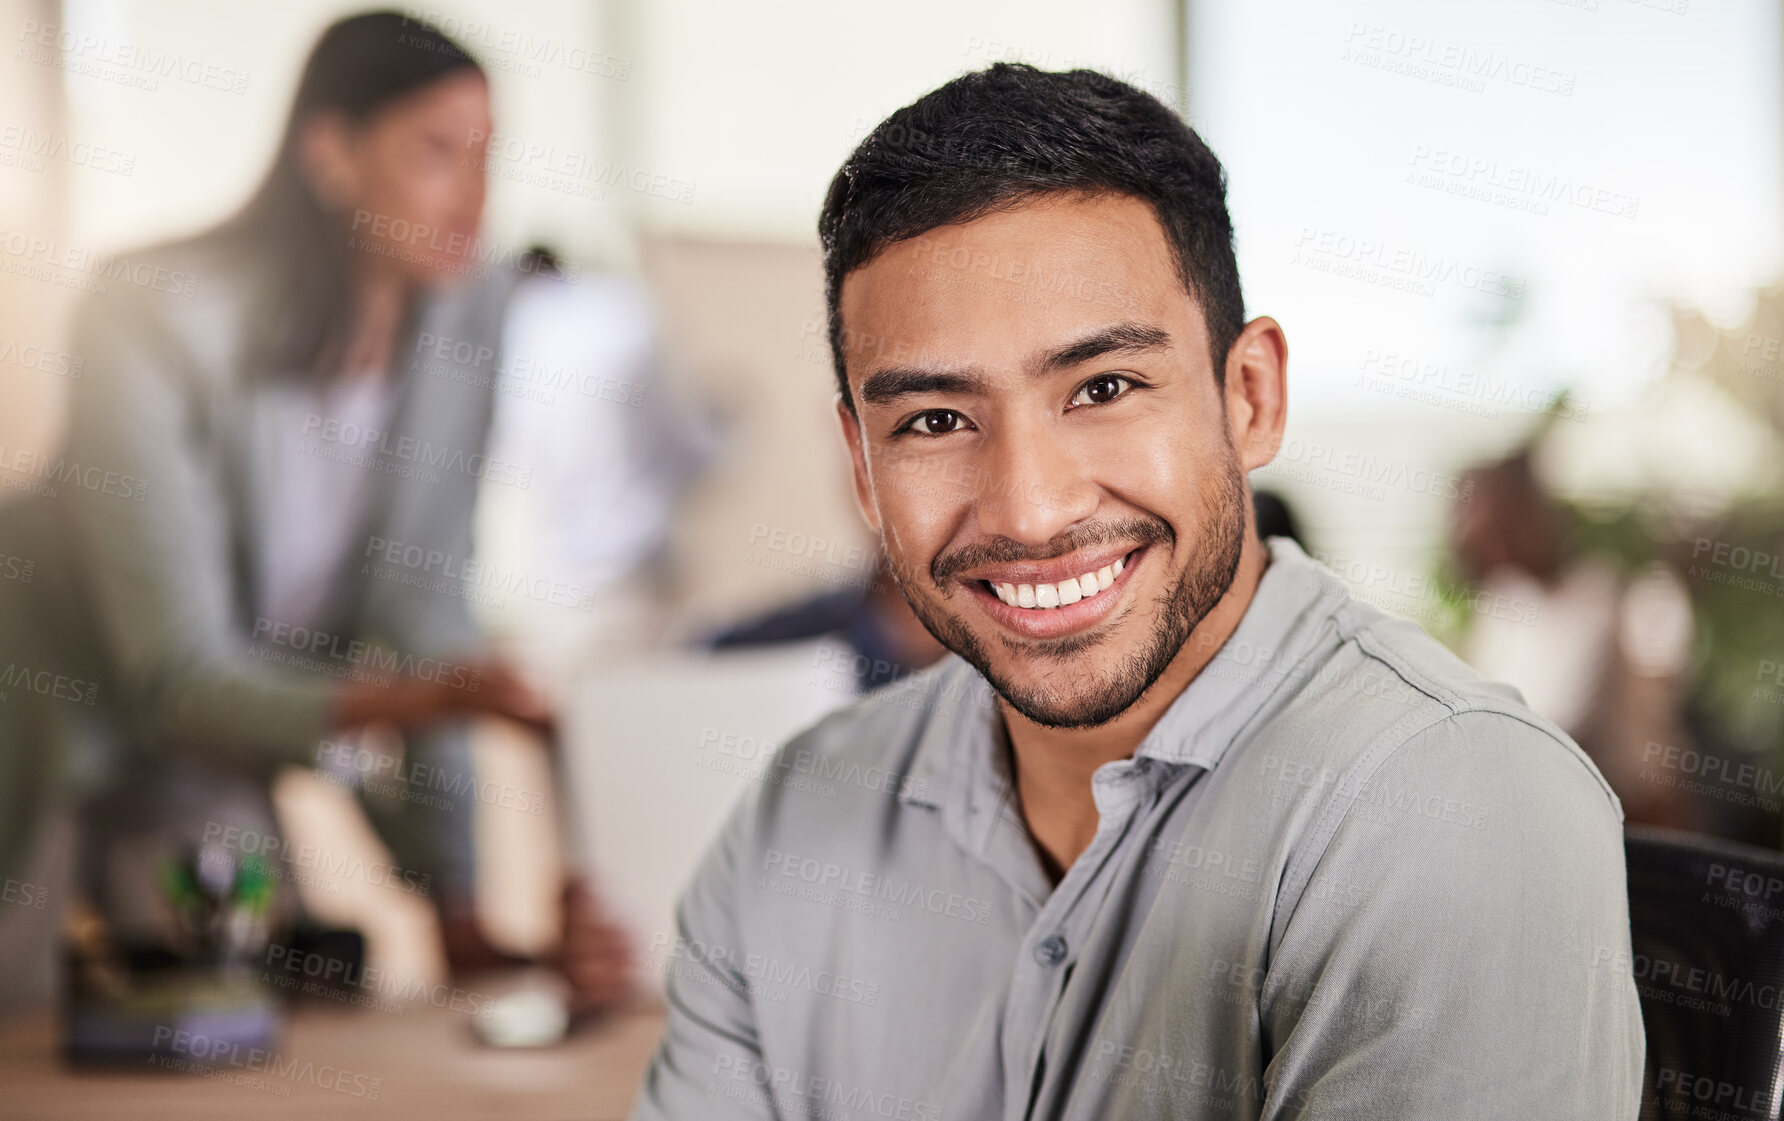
997 137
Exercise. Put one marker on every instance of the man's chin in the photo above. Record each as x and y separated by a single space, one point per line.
1066 706
1074 713
1080 680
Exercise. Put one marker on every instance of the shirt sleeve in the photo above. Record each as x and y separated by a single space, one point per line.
153 542
709 1065
1461 947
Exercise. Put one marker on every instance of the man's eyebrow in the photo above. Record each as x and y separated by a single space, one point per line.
886 385
892 382
1116 338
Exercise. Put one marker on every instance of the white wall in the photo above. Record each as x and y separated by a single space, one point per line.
758 103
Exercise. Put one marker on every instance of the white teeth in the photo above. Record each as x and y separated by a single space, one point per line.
1062 594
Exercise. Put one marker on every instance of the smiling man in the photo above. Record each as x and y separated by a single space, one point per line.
1182 831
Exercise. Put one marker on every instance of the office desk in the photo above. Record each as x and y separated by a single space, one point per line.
429 1064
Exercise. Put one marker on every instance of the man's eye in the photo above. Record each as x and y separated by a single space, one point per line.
936 422
1102 389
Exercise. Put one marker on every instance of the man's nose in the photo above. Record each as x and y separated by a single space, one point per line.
1031 489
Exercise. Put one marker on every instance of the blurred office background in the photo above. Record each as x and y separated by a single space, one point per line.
1522 250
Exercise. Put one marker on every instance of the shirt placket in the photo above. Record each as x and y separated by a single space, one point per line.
1048 953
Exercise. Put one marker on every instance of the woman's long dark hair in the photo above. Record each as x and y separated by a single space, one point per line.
301 249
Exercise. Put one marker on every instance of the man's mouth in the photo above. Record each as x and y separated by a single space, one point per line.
1040 599
1063 593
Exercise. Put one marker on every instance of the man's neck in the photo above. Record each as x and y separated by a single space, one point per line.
1053 766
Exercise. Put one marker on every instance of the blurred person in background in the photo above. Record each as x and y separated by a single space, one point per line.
325 389
1599 653
609 447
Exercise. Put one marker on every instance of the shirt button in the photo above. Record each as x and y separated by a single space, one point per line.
1050 950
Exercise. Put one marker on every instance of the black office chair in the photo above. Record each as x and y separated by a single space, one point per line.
1707 919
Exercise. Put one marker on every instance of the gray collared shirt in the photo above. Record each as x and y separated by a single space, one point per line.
1343 877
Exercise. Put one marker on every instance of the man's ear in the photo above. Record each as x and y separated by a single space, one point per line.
851 434
1257 391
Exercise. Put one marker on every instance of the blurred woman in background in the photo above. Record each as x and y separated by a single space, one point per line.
314 382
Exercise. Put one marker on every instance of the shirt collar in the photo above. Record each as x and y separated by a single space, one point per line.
961 729
1291 608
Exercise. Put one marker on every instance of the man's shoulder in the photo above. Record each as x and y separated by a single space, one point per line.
1395 716
1476 713
1398 762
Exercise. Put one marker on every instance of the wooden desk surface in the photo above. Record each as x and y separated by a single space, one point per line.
426 1060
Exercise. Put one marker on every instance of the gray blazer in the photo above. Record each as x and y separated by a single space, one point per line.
147 533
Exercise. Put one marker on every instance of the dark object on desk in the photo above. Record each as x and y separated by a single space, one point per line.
202 992
143 1007
137 1003
1707 921
319 961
